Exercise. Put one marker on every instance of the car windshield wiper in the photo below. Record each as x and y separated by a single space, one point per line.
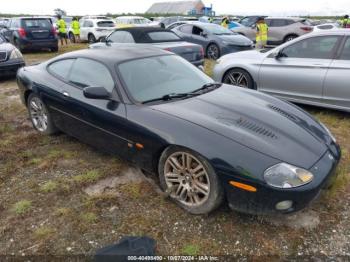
171 97
208 86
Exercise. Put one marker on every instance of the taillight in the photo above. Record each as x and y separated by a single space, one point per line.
167 49
53 31
21 32
306 28
202 52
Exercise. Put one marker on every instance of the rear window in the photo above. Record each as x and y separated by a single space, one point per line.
36 23
306 22
105 24
163 36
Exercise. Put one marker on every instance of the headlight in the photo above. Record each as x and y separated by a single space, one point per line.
328 132
287 176
15 54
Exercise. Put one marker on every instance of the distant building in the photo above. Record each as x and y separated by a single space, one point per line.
194 7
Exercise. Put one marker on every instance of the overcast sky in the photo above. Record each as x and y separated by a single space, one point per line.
240 7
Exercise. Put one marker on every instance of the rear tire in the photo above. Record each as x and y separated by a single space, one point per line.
40 116
190 180
213 51
289 38
238 77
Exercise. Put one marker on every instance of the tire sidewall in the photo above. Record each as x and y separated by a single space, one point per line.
216 190
247 75
217 47
51 129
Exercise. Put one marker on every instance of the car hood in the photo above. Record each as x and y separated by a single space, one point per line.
236 39
249 54
6 47
256 120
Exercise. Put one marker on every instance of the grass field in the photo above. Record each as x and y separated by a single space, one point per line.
45 207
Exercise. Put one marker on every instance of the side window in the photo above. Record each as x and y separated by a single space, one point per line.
121 37
61 68
85 24
345 55
187 29
320 47
86 72
197 30
278 23
268 22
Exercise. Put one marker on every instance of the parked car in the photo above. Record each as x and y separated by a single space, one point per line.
166 21
92 30
313 69
327 26
3 22
31 33
159 37
206 141
216 40
249 21
281 29
131 21
10 58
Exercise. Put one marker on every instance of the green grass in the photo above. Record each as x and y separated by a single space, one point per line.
48 187
43 232
88 177
22 207
190 250
89 217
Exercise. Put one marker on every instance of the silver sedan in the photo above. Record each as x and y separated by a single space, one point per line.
313 69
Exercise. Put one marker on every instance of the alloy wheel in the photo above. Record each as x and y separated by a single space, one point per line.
38 114
237 79
213 52
187 179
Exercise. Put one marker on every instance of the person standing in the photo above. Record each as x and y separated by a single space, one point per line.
62 29
261 33
225 22
76 30
345 22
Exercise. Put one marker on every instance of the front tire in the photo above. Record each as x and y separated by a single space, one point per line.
289 38
91 39
40 116
190 180
238 77
213 52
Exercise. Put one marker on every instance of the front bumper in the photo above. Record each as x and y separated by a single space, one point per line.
10 67
264 200
228 49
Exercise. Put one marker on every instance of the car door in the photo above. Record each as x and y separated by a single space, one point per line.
185 31
336 91
198 36
276 28
299 70
84 30
101 123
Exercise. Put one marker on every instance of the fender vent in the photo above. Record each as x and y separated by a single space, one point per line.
255 128
283 113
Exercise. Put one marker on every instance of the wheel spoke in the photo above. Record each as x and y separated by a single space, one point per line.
172 177
232 79
175 163
200 187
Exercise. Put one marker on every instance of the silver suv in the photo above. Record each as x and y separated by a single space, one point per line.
281 29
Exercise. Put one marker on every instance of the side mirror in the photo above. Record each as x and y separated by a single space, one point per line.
204 34
94 92
103 39
278 54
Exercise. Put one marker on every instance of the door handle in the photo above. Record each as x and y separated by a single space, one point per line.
65 93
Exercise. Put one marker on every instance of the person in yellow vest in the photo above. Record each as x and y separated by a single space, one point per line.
211 20
345 22
225 22
76 30
261 33
62 29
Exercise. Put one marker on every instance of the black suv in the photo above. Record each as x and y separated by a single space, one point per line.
28 33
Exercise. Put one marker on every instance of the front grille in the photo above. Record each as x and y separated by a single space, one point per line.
255 128
3 56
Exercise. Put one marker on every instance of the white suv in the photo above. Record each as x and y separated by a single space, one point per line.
93 30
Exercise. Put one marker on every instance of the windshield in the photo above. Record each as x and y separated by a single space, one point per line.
139 21
218 30
163 36
105 24
37 23
248 21
155 77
